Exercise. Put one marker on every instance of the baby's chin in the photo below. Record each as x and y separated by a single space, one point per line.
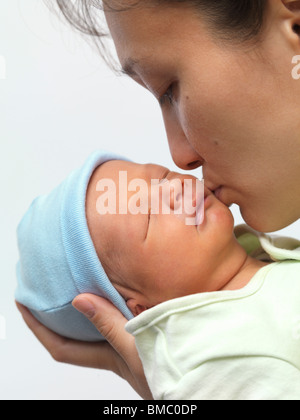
218 214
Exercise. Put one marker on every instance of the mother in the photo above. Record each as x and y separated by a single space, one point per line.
222 73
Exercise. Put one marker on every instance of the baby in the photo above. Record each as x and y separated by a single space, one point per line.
151 258
211 313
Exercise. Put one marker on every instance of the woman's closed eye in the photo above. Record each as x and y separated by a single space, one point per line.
168 95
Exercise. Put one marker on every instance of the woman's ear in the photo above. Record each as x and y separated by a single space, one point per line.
135 307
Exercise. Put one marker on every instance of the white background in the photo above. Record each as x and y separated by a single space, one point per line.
58 103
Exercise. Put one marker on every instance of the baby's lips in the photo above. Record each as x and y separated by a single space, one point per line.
198 193
200 215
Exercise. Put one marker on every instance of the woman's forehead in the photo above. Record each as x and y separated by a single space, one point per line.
136 30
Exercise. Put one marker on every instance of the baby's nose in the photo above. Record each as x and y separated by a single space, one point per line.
186 195
176 194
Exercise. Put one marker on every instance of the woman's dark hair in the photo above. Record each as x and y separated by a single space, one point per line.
231 20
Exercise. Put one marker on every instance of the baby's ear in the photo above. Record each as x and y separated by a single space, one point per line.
135 307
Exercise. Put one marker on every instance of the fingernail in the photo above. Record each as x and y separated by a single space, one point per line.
84 306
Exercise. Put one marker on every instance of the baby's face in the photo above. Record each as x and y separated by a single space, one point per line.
151 258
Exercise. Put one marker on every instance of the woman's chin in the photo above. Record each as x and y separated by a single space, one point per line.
261 221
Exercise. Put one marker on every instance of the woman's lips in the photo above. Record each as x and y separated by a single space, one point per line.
218 193
220 196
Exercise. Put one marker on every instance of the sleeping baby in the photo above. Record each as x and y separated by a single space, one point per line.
214 309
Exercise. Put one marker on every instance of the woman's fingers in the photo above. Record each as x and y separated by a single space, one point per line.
111 324
108 320
118 354
64 350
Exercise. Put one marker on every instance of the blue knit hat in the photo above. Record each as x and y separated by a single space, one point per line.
58 260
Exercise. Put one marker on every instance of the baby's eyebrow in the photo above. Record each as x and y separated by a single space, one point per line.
160 173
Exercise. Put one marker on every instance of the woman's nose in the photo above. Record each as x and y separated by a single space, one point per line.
183 153
186 158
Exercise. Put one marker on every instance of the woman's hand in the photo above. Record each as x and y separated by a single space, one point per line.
118 354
